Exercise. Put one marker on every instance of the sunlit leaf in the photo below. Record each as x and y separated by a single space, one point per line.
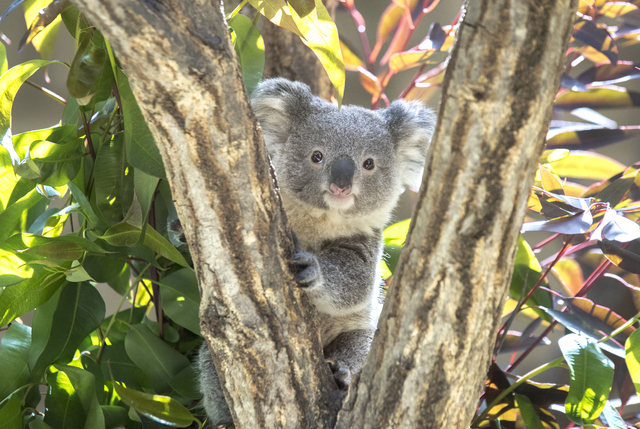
84 385
607 316
3 59
615 227
351 60
585 165
161 409
370 82
399 41
90 70
277 11
63 405
616 9
409 59
42 17
569 274
321 36
526 273
591 378
23 297
249 47
597 37
628 259
632 349
388 23
598 98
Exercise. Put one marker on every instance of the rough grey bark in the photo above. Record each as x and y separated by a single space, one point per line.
438 326
260 328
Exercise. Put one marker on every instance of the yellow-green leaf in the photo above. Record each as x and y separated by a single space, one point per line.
321 36
276 11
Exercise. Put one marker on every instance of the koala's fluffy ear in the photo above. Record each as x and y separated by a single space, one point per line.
411 126
278 103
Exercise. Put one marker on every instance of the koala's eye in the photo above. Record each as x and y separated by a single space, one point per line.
316 157
368 164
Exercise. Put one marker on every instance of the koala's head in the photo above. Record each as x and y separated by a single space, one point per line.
354 160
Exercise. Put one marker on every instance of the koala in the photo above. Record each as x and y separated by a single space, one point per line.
340 174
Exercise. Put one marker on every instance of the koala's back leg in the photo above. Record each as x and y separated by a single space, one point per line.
212 397
346 354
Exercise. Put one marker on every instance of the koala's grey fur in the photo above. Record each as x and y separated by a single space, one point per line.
340 238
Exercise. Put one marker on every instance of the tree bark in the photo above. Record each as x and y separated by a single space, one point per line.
437 331
260 328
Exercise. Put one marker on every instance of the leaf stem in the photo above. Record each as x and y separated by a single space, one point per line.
237 10
48 92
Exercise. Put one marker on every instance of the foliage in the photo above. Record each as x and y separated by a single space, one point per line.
86 201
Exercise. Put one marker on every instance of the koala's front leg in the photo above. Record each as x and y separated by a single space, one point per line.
345 355
341 277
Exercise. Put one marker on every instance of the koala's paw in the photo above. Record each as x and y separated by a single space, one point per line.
307 267
176 227
341 374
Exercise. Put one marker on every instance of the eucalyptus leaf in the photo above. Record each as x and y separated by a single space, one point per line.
181 298
114 180
63 404
84 384
161 409
14 358
249 47
80 310
157 359
11 413
591 378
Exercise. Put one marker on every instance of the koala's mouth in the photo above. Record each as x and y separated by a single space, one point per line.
339 201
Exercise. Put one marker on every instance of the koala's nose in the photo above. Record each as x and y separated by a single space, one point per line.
342 172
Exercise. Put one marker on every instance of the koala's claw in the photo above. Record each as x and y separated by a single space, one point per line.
340 373
309 271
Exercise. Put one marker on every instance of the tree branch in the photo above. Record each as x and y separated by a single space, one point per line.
439 322
260 328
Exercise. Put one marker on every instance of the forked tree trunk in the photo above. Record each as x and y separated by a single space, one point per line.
259 326
438 327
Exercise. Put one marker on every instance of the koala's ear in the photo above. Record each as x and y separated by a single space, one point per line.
278 103
411 126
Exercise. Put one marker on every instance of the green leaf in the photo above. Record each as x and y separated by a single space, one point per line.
592 138
23 297
161 409
528 411
124 234
632 349
65 247
527 269
249 47
276 11
114 180
614 420
11 413
38 424
591 378
84 384
14 358
87 211
10 83
63 404
145 189
13 217
80 310
181 298
3 59
321 36
157 359
42 322
115 359
186 383
114 416
141 150
396 234
579 164
90 70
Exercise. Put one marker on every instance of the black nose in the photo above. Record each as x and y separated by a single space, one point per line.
342 172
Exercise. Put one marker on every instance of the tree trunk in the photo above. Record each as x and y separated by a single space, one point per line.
438 327
260 328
